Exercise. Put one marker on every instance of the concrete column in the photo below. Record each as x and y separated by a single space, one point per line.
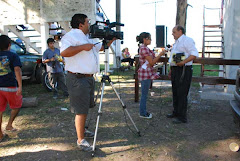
44 35
3 29
232 37
118 42
65 25
44 29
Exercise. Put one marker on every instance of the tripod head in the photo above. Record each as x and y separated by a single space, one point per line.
106 50
105 42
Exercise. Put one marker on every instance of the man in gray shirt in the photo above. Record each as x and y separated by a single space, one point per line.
55 70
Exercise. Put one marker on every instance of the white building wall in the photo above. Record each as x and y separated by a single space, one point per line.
232 37
39 13
14 12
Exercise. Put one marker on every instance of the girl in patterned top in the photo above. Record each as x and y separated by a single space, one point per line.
146 72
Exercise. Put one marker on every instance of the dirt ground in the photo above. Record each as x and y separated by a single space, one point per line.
47 132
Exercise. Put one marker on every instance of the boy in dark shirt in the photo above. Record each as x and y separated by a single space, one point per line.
10 83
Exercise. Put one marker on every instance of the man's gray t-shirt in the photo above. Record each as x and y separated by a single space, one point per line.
53 66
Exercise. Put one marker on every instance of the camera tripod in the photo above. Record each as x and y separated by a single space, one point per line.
105 78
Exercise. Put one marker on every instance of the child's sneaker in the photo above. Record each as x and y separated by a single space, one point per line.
147 116
84 145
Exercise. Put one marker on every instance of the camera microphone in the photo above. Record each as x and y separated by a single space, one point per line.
168 48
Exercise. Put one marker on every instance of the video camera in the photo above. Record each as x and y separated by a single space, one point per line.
178 57
102 30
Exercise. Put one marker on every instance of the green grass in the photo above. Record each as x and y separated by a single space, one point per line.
117 74
102 66
197 70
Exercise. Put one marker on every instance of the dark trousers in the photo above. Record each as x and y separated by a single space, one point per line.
130 60
58 78
180 89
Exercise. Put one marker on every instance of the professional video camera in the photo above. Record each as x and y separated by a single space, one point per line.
102 30
178 57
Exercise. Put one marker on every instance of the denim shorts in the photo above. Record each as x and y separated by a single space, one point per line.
81 93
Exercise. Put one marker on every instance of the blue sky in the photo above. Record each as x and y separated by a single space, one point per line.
139 16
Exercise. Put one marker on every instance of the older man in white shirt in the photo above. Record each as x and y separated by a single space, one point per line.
81 62
181 72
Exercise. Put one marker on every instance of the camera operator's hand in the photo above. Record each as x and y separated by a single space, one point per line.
88 47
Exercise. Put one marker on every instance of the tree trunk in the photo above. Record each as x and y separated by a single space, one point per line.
181 16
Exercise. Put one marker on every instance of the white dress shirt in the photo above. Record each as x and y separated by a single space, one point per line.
184 45
85 62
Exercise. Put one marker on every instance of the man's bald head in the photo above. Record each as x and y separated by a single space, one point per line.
178 31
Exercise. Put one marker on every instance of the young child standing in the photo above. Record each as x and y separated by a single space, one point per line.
10 83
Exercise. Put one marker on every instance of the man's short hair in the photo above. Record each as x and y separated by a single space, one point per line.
5 41
50 40
179 27
77 19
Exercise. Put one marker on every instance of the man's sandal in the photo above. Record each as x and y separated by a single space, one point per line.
11 130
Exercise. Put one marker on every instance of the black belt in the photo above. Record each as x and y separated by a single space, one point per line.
80 75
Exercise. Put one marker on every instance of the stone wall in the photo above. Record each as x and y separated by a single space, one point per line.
13 12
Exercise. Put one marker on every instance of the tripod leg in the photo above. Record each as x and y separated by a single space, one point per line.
98 118
124 106
99 88
95 101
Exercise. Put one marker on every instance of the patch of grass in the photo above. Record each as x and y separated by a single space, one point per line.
195 84
102 66
197 70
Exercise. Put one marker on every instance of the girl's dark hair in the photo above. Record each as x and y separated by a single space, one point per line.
77 19
142 36
5 41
